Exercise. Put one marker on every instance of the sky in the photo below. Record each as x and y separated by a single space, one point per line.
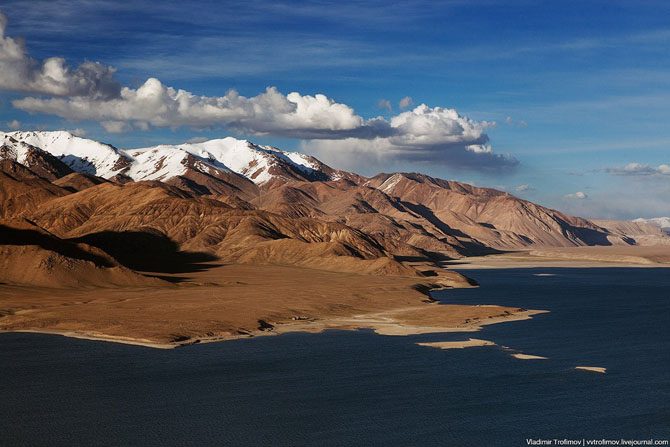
563 103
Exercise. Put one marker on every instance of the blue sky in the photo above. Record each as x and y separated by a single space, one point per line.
578 91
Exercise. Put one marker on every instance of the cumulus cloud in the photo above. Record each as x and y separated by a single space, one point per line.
19 72
14 124
579 195
406 102
90 92
154 104
424 134
639 169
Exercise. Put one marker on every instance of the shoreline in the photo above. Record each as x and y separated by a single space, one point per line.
243 301
96 337
396 323
379 325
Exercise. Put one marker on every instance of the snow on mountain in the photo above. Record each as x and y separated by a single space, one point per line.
80 154
259 164
663 222
159 163
12 149
40 162
390 183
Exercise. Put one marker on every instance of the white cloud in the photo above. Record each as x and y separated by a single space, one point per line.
524 188
14 124
19 72
424 134
157 105
406 102
638 169
579 195
90 92
115 126
385 104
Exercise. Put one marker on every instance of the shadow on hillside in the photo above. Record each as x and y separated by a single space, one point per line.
474 248
18 237
148 251
591 237
470 248
427 214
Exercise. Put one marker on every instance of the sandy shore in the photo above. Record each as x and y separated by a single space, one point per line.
238 301
424 319
99 337
571 257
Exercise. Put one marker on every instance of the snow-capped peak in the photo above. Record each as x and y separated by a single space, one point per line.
260 164
80 154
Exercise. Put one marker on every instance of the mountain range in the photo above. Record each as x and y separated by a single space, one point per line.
171 208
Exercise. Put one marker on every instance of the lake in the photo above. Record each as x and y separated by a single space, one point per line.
359 388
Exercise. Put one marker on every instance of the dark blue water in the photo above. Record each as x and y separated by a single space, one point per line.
358 388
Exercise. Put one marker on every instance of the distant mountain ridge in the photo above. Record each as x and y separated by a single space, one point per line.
244 203
259 164
662 222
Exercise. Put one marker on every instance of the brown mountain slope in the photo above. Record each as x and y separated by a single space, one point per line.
642 233
337 225
393 224
21 189
132 206
76 181
31 256
409 214
201 224
495 218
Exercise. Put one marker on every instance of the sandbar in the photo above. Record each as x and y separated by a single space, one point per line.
522 356
597 369
469 343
